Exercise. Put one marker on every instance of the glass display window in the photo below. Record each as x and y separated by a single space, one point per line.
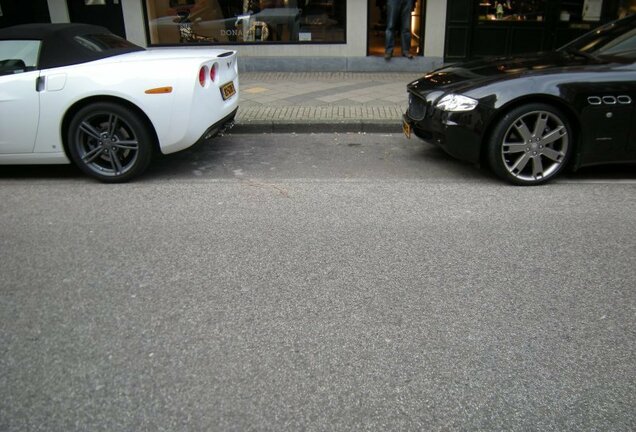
580 14
511 10
626 7
245 21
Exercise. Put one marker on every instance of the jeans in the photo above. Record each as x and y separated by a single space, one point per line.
398 16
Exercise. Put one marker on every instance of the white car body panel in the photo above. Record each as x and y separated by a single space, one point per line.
179 118
19 112
34 159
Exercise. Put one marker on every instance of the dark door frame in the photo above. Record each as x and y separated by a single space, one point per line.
14 12
370 4
109 14
463 29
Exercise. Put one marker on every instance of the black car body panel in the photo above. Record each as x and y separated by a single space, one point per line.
598 94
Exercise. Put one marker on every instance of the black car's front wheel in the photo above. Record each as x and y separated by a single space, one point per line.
530 145
109 142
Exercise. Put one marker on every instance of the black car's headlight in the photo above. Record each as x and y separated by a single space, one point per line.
456 103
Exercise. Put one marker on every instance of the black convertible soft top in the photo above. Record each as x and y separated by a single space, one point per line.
68 44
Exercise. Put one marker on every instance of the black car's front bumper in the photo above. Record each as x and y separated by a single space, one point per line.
458 133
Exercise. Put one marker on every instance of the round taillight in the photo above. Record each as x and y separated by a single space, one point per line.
202 75
213 72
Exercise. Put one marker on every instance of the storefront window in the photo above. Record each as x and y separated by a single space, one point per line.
626 7
245 21
511 10
581 11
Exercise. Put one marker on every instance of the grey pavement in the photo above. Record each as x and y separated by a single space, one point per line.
317 282
322 101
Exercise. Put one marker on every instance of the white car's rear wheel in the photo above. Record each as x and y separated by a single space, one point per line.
110 142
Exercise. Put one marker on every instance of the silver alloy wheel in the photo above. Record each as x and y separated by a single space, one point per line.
107 144
534 146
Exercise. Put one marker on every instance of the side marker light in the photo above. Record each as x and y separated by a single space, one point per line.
159 90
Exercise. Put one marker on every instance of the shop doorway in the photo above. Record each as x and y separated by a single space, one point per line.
377 28
14 12
105 13
478 28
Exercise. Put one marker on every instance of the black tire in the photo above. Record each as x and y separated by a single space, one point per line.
530 145
110 142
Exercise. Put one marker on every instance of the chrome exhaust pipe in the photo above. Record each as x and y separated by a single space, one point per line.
226 127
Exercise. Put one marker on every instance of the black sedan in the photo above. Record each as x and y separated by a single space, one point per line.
531 116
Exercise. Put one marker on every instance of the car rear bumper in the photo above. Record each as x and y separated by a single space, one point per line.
225 124
206 112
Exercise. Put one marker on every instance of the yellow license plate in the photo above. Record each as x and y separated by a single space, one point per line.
407 128
228 90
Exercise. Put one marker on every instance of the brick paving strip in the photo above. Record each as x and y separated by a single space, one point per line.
322 102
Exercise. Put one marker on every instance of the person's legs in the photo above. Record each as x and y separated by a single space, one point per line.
405 17
392 15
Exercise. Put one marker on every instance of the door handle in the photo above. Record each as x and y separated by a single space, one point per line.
39 84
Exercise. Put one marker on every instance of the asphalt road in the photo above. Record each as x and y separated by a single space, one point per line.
316 282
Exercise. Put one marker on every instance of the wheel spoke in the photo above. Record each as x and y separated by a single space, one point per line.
537 167
553 136
539 127
514 148
90 156
114 160
90 130
552 154
523 130
520 164
112 124
127 145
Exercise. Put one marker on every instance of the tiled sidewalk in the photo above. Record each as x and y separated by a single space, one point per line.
322 101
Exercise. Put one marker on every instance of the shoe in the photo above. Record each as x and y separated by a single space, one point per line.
387 56
408 56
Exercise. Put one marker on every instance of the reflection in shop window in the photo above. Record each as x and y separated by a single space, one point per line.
245 21
511 10
626 7
579 12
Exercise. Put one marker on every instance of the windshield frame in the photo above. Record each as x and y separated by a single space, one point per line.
599 42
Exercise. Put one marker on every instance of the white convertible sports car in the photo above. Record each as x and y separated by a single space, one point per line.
78 93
